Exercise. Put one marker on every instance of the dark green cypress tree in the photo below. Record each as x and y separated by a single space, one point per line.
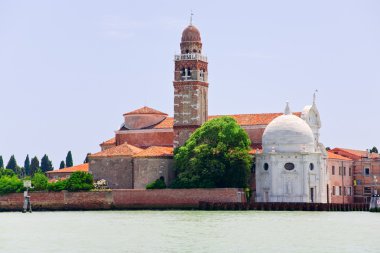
12 164
34 166
86 159
1 162
46 164
69 160
27 165
62 165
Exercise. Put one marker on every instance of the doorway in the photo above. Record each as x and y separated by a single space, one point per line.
266 197
312 195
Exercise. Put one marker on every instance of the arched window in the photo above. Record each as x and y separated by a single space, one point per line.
266 166
311 166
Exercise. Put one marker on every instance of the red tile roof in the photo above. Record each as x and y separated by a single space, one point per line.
81 167
255 151
145 110
241 119
156 151
331 155
118 151
356 153
111 141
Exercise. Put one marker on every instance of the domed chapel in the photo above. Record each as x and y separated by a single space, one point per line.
291 164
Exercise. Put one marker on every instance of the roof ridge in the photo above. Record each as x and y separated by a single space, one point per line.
145 110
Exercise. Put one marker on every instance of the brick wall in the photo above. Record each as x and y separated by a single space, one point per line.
117 171
147 170
120 199
341 177
146 138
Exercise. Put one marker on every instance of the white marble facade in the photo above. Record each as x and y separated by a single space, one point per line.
292 165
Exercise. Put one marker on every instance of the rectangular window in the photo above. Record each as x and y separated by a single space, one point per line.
333 171
333 191
350 171
367 191
366 171
344 171
350 191
340 190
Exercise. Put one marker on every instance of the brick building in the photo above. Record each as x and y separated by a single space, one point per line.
365 169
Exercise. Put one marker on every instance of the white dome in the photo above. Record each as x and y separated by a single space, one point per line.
288 134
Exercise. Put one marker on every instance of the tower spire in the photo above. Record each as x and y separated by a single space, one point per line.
191 17
314 96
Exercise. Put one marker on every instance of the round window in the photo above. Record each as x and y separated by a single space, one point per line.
266 166
289 166
311 166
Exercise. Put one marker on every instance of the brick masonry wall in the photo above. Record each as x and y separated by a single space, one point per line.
366 180
120 199
117 171
147 170
340 180
146 138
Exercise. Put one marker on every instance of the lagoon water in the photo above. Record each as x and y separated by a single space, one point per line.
189 231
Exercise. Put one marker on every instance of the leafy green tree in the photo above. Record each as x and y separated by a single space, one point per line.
6 172
20 171
34 165
328 148
80 181
86 159
374 150
27 165
39 181
12 164
62 165
46 164
10 184
157 184
69 160
57 186
215 155
1 162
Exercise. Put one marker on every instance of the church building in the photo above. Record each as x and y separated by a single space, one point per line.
291 164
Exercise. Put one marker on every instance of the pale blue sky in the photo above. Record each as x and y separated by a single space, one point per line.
70 69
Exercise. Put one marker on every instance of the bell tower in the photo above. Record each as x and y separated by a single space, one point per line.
190 86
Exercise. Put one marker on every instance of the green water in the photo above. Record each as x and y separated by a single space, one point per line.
189 231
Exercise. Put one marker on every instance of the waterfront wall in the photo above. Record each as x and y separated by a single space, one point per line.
283 206
121 199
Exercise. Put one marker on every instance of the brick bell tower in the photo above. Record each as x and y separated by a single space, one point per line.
190 86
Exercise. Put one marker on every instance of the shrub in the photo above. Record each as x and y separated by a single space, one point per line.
57 186
80 181
10 184
39 181
157 184
6 172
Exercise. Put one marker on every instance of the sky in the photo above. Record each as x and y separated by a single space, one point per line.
70 69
